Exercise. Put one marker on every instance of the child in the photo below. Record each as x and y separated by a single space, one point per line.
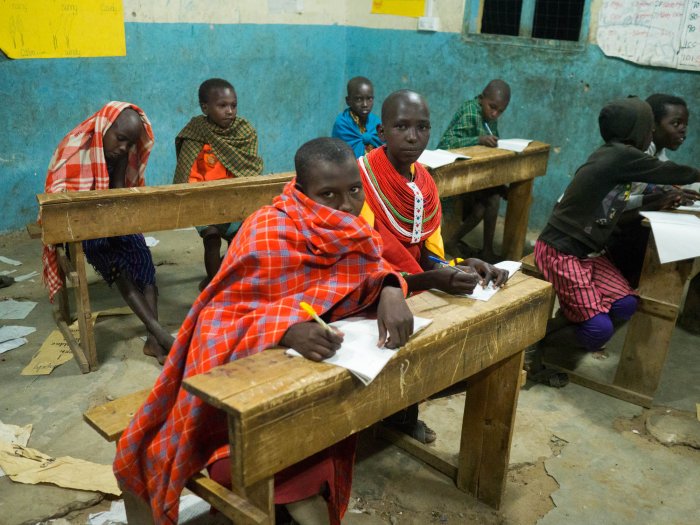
628 242
110 150
403 205
309 245
570 251
357 125
216 145
476 123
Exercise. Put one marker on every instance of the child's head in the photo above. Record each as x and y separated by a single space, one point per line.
670 120
628 121
360 97
122 135
494 99
405 126
327 173
218 101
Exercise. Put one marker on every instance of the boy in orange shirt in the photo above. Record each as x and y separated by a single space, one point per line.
216 145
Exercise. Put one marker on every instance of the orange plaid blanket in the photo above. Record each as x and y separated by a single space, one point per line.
294 250
79 164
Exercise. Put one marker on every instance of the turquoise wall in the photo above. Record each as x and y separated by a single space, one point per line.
290 82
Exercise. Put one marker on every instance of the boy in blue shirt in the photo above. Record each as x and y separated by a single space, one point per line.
357 125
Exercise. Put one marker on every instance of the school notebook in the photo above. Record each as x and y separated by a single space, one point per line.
359 352
517 145
434 158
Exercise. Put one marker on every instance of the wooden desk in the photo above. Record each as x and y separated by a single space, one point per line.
661 289
281 410
491 167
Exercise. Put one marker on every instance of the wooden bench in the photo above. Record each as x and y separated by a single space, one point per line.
661 292
70 218
274 402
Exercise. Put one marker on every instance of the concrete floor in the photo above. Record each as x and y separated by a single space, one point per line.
577 457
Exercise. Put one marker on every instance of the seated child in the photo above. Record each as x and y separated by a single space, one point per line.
476 123
403 205
309 245
357 125
110 150
570 251
628 242
216 145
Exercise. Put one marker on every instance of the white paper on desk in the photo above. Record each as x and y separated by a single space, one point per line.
693 207
7 260
517 145
677 235
11 309
484 294
434 158
358 352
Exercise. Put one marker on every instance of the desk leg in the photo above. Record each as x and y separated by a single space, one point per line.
82 303
517 214
487 429
649 331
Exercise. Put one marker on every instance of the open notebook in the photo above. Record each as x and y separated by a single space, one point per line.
517 145
359 352
434 158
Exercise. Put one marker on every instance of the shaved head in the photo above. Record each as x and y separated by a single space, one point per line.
497 90
356 82
399 98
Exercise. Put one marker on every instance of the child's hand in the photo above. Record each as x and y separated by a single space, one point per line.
488 140
689 196
394 319
452 281
488 272
312 341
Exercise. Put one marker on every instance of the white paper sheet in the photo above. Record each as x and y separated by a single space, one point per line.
151 241
434 158
26 276
517 145
191 506
693 207
7 260
13 332
11 309
358 352
677 235
11 344
484 294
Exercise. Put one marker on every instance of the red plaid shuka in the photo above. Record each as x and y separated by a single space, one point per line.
79 164
294 250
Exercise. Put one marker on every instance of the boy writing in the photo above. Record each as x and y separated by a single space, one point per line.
476 123
110 150
357 125
403 205
570 251
216 145
309 245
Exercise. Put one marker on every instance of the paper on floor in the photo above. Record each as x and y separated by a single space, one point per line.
27 465
151 242
677 235
484 294
11 309
191 506
26 276
517 145
358 352
13 332
6 346
439 157
14 434
7 260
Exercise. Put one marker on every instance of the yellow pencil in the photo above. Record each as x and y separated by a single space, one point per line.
310 310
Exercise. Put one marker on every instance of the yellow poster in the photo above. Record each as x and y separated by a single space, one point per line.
62 28
414 8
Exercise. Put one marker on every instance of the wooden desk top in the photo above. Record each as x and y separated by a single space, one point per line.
77 216
283 409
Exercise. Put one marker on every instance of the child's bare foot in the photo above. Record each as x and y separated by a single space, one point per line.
204 283
154 349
